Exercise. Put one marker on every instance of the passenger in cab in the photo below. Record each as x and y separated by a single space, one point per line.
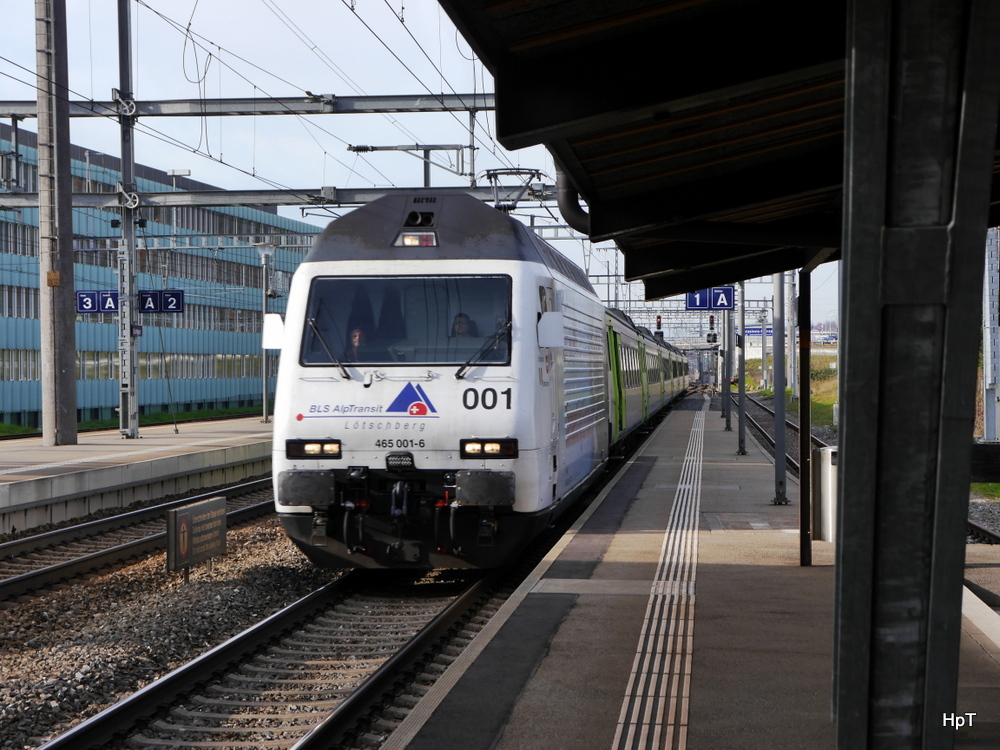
463 327
355 341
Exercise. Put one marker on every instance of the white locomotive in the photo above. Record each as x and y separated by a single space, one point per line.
448 382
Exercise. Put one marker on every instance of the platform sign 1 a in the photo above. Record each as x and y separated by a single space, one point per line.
716 298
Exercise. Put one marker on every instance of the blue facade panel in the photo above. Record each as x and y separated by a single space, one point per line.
220 274
20 333
20 396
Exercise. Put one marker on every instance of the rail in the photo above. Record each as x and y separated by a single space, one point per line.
33 580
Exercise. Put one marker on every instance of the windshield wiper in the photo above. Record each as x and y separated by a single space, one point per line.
481 352
326 348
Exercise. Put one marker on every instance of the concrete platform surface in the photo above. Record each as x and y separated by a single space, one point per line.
49 484
675 615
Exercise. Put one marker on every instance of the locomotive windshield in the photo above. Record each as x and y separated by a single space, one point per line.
408 320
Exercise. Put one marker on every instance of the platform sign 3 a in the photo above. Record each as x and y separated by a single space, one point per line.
96 302
716 298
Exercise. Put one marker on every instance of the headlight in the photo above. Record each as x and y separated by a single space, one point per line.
416 239
312 449
488 448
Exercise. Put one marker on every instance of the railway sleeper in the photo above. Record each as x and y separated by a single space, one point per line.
308 715
235 704
144 741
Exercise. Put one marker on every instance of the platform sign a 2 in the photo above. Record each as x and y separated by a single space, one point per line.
161 301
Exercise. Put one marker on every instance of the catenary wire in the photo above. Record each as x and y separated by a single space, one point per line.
171 140
409 70
189 34
328 62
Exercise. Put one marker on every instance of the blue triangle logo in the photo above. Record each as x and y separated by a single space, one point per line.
413 401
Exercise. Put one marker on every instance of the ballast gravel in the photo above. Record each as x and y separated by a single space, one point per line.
985 511
70 652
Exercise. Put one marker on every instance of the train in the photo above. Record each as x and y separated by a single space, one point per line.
447 384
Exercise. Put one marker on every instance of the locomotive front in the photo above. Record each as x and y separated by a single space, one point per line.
406 431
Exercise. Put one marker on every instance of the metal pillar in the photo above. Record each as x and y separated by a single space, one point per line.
128 377
780 471
805 419
741 342
923 94
727 367
791 324
57 309
765 381
265 250
991 338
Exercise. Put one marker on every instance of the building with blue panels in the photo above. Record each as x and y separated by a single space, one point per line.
208 356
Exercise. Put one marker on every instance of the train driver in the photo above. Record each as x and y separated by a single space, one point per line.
354 343
463 327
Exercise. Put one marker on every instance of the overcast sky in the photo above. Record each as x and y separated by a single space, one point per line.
186 49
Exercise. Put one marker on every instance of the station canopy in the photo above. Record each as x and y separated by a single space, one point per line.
705 137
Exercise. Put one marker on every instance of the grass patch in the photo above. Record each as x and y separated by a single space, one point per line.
824 394
990 490
161 417
824 380
12 429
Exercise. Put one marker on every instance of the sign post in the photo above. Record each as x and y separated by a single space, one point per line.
195 533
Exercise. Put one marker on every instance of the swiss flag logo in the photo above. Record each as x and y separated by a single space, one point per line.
413 402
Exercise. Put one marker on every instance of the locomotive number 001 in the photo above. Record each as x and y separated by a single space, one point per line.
472 398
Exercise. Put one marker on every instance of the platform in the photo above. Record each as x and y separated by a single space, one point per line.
675 615
40 485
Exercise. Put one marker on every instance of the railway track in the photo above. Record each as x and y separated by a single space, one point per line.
34 562
763 425
300 677
762 420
